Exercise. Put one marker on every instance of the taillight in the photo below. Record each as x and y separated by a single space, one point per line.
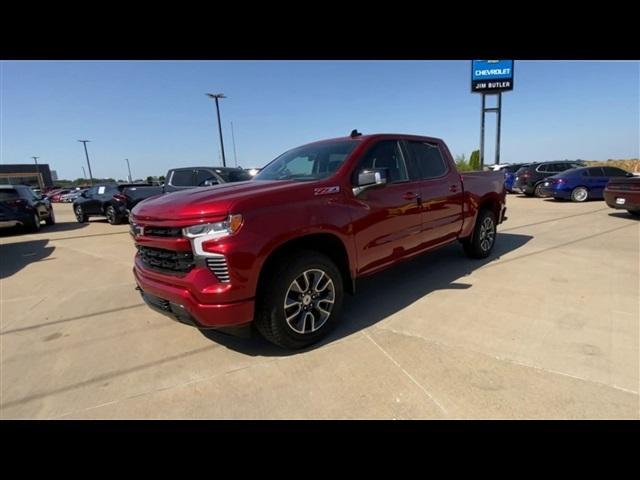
525 175
561 180
121 197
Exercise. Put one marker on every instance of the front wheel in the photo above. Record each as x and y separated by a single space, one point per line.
302 300
483 238
112 216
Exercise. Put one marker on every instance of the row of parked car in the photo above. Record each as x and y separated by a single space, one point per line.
575 181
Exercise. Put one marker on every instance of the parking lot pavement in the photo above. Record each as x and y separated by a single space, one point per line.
548 327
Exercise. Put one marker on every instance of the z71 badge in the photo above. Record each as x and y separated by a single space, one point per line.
326 190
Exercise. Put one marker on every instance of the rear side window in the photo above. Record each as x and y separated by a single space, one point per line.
428 159
614 172
204 175
595 172
542 168
8 194
386 154
182 178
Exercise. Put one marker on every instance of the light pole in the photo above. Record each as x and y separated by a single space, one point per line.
129 168
84 142
216 96
35 159
233 139
84 173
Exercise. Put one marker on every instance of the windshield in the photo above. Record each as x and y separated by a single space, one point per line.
309 162
234 175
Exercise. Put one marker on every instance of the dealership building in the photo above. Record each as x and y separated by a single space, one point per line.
26 174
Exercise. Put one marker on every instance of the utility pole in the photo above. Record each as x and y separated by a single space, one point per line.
216 96
84 142
84 173
233 139
129 168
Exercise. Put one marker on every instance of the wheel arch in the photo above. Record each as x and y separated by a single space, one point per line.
325 243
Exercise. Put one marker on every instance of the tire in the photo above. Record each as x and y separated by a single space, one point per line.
112 216
34 225
81 217
537 191
483 238
635 213
51 219
293 282
579 194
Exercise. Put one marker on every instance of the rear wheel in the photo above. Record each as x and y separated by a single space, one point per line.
51 219
483 238
81 217
302 300
112 216
34 226
538 191
579 194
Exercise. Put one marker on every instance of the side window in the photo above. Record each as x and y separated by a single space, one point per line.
301 166
204 175
182 178
614 172
92 192
596 172
386 154
542 168
428 160
558 167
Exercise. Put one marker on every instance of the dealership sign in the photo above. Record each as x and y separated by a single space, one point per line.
489 76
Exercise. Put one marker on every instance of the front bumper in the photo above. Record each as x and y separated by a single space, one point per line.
179 304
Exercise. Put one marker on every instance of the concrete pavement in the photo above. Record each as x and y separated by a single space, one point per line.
548 327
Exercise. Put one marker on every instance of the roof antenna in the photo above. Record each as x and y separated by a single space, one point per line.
355 133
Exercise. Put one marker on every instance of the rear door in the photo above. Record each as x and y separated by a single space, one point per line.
91 204
441 192
597 180
388 222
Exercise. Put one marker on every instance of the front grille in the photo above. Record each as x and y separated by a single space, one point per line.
218 265
163 231
167 260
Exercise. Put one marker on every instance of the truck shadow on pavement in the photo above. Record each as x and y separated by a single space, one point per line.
388 292
15 256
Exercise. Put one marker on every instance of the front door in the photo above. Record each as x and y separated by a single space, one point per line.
387 219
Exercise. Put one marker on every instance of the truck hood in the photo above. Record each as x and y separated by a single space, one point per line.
205 202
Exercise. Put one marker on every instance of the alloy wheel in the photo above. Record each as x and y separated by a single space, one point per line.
309 301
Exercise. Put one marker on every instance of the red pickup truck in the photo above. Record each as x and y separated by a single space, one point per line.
281 250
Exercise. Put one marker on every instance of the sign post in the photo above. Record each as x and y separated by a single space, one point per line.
491 77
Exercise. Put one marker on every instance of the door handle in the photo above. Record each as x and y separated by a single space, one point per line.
410 196
453 188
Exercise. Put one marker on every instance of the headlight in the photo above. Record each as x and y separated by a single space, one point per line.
218 229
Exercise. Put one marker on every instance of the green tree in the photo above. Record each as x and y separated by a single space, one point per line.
149 179
474 161
462 164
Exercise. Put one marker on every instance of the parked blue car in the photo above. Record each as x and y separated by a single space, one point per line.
581 184
510 175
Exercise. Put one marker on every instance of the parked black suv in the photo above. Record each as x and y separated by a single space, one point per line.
106 200
20 206
529 179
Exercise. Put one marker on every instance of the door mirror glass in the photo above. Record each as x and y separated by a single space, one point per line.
371 177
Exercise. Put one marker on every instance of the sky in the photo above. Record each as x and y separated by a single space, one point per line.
156 114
